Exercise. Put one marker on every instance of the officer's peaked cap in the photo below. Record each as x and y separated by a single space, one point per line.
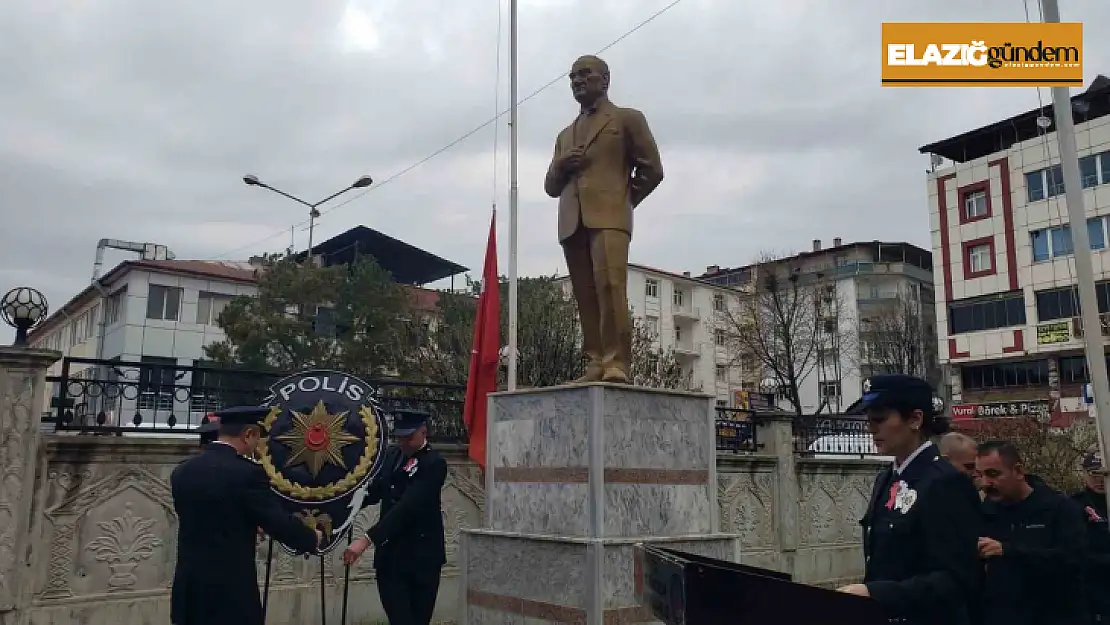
243 415
406 421
895 390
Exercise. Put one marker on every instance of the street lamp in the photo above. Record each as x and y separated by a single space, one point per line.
23 308
363 181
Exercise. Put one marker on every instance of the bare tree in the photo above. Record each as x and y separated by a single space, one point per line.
899 337
786 329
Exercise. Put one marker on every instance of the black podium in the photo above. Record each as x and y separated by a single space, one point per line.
686 589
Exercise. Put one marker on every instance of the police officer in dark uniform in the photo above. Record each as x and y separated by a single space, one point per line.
1096 565
408 537
921 528
209 431
221 497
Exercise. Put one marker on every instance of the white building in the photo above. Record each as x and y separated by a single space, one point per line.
857 285
1007 307
681 310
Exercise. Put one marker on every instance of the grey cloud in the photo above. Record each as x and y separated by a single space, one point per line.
136 120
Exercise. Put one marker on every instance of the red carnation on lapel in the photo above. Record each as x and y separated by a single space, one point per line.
893 496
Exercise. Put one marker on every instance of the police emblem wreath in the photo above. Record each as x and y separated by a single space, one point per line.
326 437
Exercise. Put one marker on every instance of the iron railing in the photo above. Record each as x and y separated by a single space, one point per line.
736 431
115 397
832 435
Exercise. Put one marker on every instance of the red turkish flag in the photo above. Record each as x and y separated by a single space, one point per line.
485 352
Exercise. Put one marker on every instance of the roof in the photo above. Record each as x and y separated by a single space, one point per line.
876 245
1086 106
407 264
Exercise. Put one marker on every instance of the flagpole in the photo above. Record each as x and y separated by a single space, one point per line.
512 347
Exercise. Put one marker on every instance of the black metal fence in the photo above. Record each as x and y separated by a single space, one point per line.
832 435
114 397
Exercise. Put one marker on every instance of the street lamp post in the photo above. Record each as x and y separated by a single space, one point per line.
313 214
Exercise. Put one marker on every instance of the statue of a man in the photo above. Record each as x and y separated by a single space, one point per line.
605 163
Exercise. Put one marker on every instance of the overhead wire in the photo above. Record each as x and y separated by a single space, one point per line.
458 140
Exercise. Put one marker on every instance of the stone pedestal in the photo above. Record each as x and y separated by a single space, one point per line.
22 401
576 476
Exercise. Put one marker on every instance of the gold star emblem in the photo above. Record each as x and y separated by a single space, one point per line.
317 438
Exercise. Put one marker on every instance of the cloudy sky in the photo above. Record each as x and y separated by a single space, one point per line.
136 120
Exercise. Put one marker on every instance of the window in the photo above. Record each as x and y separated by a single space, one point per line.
204 388
1073 370
113 308
718 302
1055 175
678 334
829 325
1004 375
209 307
679 298
1034 185
976 205
722 373
1104 167
1063 303
93 318
651 287
830 388
652 325
1004 311
156 383
720 337
163 302
1054 242
978 258
1088 171
828 357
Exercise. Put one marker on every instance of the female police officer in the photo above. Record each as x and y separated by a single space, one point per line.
921 527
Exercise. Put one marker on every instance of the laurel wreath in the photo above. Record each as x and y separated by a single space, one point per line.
326 491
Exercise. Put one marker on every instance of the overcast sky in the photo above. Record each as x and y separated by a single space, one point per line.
136 120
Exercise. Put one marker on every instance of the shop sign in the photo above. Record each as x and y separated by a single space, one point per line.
1035 408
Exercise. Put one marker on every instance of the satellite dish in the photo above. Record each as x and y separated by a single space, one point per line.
1044 123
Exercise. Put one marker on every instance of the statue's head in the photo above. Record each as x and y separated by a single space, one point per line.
589 79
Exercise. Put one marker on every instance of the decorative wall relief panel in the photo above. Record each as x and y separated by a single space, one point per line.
747 508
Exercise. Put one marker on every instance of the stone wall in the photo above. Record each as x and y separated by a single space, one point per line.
87 528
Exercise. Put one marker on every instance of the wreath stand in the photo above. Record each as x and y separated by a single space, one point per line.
323 586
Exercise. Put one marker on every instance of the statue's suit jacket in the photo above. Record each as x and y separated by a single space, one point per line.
621 167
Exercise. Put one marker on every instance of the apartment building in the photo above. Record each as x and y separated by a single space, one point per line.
873 309
681 310
1007 305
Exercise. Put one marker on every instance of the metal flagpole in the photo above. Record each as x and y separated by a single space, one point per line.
512 350
1081 243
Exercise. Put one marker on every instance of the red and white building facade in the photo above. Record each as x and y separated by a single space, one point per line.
1007 305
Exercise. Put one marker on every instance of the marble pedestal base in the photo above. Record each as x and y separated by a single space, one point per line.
541 580
576 476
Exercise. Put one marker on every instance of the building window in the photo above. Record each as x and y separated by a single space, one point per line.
976 202
720 337
679 298
828 357
718 302
1073 370
1088 171
1004 311
829 325
722 373
113 308
156 383
205 388
1063 303
1104 167
652 325
1034 185
651 287
163 302
978 258
1045 183
209 307
678 334
1054 242
1004 375
830 389
93 317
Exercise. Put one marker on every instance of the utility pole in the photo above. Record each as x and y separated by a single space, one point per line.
1081 243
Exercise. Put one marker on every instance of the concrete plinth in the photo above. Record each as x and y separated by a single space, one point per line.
576 476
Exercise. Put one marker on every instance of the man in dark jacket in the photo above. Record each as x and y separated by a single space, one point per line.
222 497
1032 546
1096 567
408 537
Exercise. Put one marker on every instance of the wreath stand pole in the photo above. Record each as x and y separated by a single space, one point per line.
346 583
266 588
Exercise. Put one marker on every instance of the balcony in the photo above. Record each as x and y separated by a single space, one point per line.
691 313
686 349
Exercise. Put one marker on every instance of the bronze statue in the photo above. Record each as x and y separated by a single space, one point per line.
605 163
